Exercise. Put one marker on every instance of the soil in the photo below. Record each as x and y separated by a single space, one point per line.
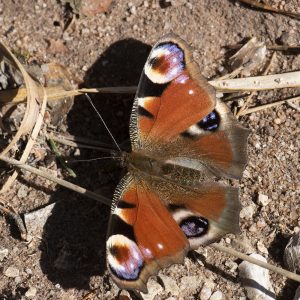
68 259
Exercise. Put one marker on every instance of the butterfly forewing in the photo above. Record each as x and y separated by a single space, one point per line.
167 99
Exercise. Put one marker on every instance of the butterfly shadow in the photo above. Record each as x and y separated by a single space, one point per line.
199 258
73 241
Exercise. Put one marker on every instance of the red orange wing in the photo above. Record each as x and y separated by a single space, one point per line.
142 237
155 222
171 96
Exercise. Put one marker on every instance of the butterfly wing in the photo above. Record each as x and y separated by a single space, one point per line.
155 222
204 214
176 116
134 252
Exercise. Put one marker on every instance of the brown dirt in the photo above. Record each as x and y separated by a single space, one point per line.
68 259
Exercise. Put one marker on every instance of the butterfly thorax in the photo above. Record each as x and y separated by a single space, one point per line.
144 165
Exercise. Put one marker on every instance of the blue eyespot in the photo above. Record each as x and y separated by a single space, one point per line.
211 122
194 226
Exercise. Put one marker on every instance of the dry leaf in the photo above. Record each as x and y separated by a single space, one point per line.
249 57
56 76
34 111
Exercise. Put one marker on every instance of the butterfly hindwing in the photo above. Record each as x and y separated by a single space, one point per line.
209 215
204 212
134 252
155 222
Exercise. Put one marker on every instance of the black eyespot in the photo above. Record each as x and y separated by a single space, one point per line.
194 226
211 122
144 112
125 204
118 226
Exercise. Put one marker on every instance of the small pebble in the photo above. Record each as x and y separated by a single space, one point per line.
231 265
277 121
28 271
3 253
22 192
154 288
190 284
18 279
243 244
31 292
216 296
124 295
262 248
261 224
256 280
253 228
205 293
170 285
11 272
263 200
247 212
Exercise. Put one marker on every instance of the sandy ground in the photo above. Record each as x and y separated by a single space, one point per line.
68 259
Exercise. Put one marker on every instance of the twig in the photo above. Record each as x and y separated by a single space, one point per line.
293 105
265 106
19 95
257 262
60 159
61 182
283 48
258 83
270 8
17 219
273 47
107 201
233 74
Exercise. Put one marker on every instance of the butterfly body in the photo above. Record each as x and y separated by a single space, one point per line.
182 138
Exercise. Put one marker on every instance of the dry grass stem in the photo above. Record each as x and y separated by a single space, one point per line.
29 145
257 262
258 83
19 95
34 94
61 182
270 8
266 106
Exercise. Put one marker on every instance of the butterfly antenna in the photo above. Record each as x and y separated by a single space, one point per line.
93 159
102 120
